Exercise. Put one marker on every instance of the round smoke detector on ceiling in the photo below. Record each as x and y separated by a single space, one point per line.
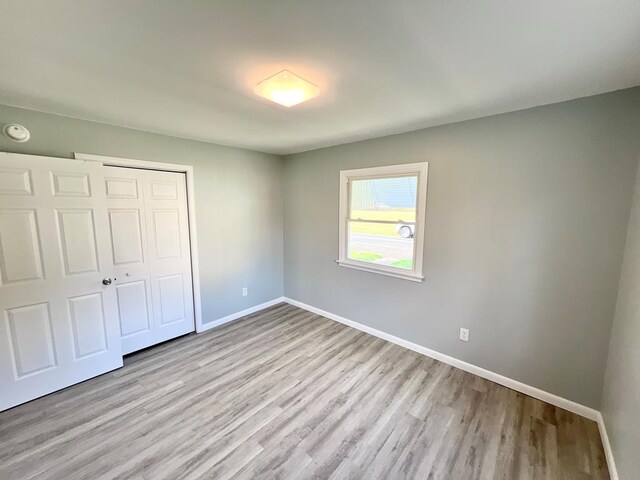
16 132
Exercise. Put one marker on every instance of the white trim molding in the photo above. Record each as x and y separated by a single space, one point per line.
191 209
569 405
419 170
237 315
606 445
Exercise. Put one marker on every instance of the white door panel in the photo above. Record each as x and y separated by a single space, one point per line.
160 190
30 339
127 224
77 232
150 240
171 292
59 323
166 231
121 187
126 236
170 255
133 302
70 184
88 322
15 181
20 257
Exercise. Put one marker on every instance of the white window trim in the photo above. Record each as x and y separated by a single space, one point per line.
419 169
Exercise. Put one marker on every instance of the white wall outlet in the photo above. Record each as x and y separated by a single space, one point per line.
245 291
464 334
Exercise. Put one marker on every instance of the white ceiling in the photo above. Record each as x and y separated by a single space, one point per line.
187 68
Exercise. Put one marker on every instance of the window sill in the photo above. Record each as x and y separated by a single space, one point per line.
365 268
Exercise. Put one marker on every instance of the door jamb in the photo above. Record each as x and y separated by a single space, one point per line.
191 210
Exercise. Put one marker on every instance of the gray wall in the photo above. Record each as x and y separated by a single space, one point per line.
526 221
238 200
621 397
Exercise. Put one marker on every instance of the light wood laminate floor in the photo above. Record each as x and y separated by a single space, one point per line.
285 393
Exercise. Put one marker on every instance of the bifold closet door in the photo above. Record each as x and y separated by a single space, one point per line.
58 324
149 229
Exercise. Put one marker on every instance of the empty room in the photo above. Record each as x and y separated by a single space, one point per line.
296 239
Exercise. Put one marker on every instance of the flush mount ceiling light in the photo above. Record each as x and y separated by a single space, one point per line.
287 89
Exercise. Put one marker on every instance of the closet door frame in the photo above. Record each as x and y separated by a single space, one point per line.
191 202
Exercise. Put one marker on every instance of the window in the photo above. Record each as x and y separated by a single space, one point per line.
382 211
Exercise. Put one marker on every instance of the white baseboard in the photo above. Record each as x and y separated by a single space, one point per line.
608 452
569 405
235 316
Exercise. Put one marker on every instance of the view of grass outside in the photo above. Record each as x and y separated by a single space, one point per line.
380 243
372 200
364 256
372 257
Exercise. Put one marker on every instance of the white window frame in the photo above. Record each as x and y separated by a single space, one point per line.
346 176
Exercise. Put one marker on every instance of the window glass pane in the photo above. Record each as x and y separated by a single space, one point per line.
381 243
391 199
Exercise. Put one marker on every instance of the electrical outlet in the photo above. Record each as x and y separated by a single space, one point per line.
245 291
464 334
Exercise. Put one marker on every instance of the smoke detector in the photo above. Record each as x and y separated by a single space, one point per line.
16 132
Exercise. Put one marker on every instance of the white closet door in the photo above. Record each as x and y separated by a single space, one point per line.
151 253
165 199
130 256
59 324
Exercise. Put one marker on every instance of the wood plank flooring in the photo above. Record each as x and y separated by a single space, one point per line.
287 394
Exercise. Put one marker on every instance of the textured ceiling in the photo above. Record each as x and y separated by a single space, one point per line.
187 68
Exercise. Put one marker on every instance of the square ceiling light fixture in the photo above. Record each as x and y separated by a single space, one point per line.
287 89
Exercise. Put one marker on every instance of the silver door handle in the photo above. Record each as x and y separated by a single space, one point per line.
106 281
